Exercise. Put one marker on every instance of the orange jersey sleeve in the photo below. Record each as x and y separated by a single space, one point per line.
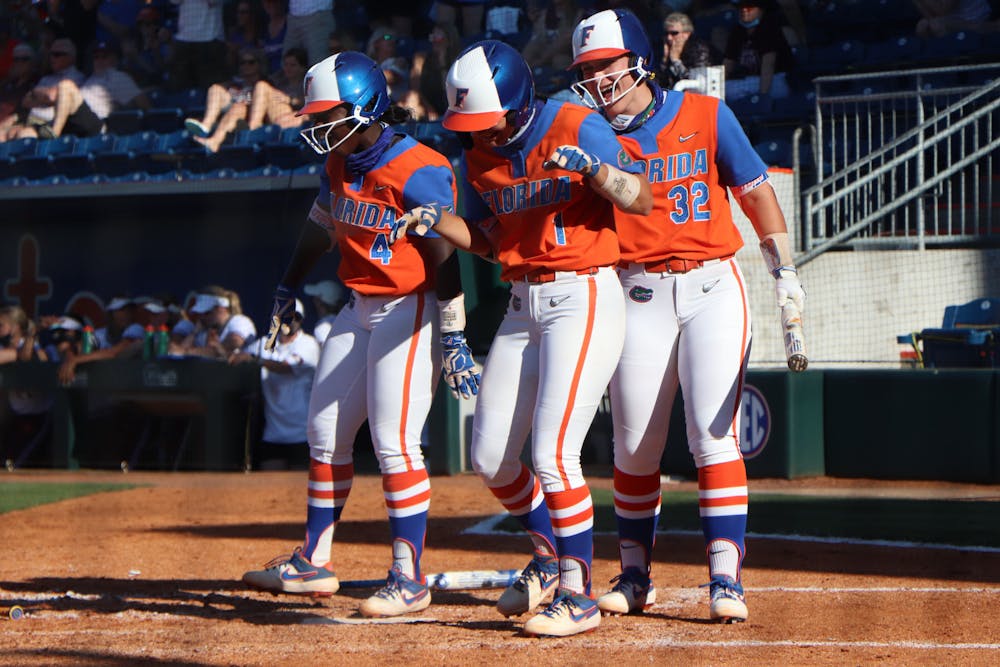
549 220
364 207
690 153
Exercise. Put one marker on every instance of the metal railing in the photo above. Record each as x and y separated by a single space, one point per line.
903 159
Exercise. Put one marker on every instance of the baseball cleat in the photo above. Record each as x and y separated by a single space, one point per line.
728 603
632 592
569 614
537 580
400 595
294 574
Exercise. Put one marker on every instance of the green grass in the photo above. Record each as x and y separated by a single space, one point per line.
21 495
953 522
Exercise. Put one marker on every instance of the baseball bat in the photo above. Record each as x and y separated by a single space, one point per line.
795 341
451 581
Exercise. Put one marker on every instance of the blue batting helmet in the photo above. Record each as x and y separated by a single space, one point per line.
609 34
486 81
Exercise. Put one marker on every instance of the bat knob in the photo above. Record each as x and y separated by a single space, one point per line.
797 363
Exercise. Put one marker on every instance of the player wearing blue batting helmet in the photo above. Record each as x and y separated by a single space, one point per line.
489 81
604 36
349 78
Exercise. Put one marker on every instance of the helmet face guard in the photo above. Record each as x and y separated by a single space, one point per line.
488 81
347 78
606 35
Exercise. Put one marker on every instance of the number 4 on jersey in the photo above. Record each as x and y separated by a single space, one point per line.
380 249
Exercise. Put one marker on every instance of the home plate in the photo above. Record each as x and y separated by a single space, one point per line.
317 620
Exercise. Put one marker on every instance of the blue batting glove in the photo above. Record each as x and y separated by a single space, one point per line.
421 220
573 158
459 370
282 314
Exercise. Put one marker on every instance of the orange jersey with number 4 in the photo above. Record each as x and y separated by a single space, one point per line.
364 207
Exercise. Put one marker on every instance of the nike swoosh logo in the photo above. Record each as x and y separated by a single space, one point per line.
555 301
707 287
298 576
586 614
410 599
380 187
684 138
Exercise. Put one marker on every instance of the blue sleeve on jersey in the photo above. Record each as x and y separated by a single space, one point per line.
429 185
597 137
472 207
737 160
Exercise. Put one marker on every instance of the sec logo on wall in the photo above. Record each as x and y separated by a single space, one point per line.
755 423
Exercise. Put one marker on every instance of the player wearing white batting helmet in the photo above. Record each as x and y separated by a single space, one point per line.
688 320
561 336
381 357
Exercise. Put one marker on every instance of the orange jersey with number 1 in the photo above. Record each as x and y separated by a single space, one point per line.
551 220
363 209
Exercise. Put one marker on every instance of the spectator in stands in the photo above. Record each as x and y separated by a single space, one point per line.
244 34
430 69
198 57
119 313
23 414
310 23
129 345
54 104
227 104
286 376
274 34
682 51
944 17
75 20
548 48
276 103
397 76
146 50
20 80
81 110
468 14
115 20
329 297
221 328
381 44
757 57
340 40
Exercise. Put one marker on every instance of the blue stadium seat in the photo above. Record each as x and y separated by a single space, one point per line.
96 144
237 158
25 146
950 47
288 156
34 167
897 51
752 108
261 135
775 153
124 121
163 120
836 58
173 140
74 166
57 146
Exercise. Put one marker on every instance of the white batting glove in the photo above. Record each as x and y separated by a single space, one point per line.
573 158
421 220
788 289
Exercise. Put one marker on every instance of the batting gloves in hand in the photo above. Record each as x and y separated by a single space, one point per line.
573 158
460 371
421 219
788 289
282 314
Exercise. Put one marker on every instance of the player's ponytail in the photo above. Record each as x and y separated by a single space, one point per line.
396 115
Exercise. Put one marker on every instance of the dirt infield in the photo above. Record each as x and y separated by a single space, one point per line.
151 576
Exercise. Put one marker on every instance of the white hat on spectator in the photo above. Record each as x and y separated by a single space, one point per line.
206 302
300 309
326 291
67 323
118 303
183 328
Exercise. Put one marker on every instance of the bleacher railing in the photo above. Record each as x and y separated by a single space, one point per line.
904 159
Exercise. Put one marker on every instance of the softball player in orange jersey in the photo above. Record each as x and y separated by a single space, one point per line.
688 320
544 187
380 360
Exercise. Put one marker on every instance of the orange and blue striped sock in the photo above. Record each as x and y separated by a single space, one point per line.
637 510
329 486
524 500
407 499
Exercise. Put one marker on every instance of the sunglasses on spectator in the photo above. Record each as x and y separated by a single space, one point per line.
672 33
58 54
248 61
